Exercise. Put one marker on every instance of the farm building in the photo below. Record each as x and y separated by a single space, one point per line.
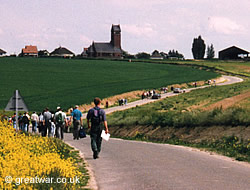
43 53
233 53
2 52
62 52
29 51
156 55
110 49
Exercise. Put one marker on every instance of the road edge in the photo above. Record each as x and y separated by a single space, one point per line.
92 183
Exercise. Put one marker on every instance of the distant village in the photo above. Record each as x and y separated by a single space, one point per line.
114 50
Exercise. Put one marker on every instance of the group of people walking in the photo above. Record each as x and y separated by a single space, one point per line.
147 94
53 124
46 123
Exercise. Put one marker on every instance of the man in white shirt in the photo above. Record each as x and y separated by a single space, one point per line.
34 122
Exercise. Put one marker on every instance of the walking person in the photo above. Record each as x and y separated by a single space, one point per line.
47 118
76 116
97 117
60 121
26 122
40 125
13 118
20 121
34 121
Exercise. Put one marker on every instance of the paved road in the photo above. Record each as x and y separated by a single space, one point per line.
131 165
128 165
228 80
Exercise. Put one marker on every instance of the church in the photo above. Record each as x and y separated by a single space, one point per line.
110 49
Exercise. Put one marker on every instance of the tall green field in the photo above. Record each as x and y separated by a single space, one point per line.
49 82
238 67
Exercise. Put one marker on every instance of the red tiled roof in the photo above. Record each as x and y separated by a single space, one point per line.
30 49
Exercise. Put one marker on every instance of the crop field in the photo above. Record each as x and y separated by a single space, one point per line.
51 82
236 67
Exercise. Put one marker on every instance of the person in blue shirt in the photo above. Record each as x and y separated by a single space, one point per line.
76 116
97 117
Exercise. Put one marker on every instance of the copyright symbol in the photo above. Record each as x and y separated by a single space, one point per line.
8 179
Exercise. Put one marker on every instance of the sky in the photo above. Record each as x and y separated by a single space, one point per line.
146 25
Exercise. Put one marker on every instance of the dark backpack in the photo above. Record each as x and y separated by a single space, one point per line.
82 133
96 121
25 119
59 119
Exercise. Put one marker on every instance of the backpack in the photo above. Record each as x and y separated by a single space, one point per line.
96 119
25 119
59 119
82 133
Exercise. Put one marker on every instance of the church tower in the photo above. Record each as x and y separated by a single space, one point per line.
116 36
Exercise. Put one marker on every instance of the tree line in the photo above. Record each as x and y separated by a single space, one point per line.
198 51
199 48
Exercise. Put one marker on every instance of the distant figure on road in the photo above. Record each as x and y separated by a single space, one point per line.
97 117
76 116
107 104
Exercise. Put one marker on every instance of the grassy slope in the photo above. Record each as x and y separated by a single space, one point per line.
234 67
173 111
53 82
176 120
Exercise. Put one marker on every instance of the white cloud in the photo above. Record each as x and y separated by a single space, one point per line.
1 31
225 25
145 30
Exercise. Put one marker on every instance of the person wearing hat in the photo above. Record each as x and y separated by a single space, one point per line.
76 116
60 120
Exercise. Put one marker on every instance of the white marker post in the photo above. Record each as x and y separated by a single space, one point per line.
17 124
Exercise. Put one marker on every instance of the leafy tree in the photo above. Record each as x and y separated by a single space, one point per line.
175 53
126 55
210 51
198 48
142 55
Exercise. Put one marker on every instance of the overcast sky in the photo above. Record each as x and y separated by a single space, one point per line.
146 24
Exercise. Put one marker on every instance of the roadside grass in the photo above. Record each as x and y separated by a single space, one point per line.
177 111
180 115
52 82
